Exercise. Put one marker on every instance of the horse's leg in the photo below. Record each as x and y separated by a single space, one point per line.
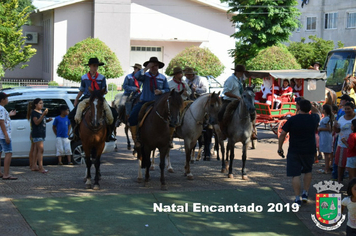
244 156
127 137
147 162
230 148
200 145
153 160
216 147
192 157
207 143
223 162
97 173
162 156
88 177
169 165
188 151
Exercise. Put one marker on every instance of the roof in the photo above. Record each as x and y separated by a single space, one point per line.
287 74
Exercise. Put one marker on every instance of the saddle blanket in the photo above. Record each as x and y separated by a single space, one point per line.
83 104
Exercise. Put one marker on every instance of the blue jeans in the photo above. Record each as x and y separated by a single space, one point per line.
6 147
133 118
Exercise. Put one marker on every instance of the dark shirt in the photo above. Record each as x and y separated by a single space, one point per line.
38 131
301 130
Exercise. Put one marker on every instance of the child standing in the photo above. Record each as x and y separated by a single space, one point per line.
5 136
350 203
61 128
326 139
38 132
351 151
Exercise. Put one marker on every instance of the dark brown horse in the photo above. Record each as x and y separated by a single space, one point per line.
92 132
154 132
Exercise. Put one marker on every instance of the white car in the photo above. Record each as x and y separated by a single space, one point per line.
52 98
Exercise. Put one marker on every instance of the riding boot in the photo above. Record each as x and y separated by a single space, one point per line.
171 130
135 138
75 134
109 135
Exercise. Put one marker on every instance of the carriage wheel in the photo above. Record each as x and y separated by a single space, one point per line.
280 125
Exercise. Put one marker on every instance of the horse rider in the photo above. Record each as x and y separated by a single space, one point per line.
178 84
197 84
233 88
154 85
95 81
130 85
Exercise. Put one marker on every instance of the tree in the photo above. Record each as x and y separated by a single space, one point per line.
202 60
72 67
261 24
25 4
308 53
12 49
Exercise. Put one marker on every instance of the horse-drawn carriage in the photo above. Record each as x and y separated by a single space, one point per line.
313 87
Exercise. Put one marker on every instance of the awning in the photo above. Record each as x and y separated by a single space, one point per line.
287 74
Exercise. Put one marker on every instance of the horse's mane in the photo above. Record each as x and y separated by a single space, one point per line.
96 94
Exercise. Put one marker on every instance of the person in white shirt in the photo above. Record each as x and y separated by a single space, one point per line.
5 136
198 85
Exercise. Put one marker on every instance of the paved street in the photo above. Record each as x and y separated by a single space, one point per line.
119 176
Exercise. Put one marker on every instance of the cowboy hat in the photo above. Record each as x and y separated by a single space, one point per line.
318 63
189 71
138 66
95 61
239 68
154 60
177 70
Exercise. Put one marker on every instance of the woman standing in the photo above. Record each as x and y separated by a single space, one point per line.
343 127
325 137
38 132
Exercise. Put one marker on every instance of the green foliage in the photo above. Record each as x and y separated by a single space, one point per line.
12 49
2 72
25 4
73 65
273 58
202 60
112 87
53 83
261 24
308 53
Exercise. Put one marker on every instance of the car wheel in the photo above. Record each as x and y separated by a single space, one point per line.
78 153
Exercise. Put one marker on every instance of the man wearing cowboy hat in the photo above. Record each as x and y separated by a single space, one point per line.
178 84
154 84
130 85
233 88
197 84
95 81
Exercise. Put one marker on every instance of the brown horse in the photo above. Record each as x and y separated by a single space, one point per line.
330 96
349 83
154 132
92 132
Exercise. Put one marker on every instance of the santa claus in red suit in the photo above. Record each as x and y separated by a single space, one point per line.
286 92
265 95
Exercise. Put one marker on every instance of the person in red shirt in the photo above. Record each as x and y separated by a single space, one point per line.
298 88
351 151
286 92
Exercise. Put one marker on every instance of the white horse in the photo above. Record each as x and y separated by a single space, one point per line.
192 124
240 130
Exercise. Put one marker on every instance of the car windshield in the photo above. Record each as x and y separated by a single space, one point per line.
338 66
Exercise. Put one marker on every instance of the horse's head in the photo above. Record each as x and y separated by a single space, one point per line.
213 106
175 103
248 97
96 102
349 83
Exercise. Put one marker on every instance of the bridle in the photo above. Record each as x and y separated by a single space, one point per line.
101 121
166 120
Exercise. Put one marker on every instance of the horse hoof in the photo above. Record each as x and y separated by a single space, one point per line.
152 168
170 170
164 187
190 177
223 170
192 161
88 186
230 176
244 177
139 180
96 187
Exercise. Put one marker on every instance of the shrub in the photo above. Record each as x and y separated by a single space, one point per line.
72 67
201 59
53 83
112 87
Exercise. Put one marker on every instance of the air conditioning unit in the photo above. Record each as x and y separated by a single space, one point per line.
31 37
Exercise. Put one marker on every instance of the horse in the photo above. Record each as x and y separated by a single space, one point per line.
192 124
155 132
349 83
130 102
330 97
92 132
240 130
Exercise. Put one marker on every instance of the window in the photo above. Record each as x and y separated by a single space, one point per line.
311 23
331 20
351 20
148 49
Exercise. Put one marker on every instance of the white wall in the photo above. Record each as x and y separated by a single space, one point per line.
72 24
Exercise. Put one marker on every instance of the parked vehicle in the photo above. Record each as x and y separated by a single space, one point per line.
52 99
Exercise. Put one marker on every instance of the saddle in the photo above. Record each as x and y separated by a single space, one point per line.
145 110
84 104
186 105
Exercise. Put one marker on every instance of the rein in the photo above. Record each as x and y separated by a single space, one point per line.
169 113
205 114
